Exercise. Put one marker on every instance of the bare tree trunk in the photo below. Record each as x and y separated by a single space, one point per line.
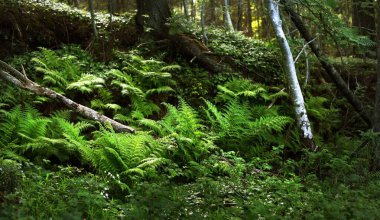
193 10
210 12
295 89
110 10
347 13
376 124
93 23
20 80
76 3
186 8
249 19
329 68
239 23
227 18
203 11
153 14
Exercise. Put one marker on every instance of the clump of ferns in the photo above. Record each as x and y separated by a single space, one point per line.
127 155
27 133
57 71
144 83
246 90
186 140
248 120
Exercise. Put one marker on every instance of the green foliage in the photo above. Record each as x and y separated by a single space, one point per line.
252 54
333 28
10 176
22 124
126 154
245 124
71 71
237 129
26 133
68 193
239 157
243 89
325 118
247 53
183 129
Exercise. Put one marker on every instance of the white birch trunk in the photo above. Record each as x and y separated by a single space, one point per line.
227 18
295 89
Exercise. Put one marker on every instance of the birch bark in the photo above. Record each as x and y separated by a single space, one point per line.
295 89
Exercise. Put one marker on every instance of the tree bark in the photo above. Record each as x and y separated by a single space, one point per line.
203 11
110 9
76 3
93 22
20 80
249 19
153 14
193 10
227 17
239 23
329 68
295 89
376 124
211 11
186 8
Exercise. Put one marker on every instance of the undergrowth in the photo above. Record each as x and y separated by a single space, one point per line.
230 151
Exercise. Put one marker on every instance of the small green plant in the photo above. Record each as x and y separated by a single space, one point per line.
10 176
68 193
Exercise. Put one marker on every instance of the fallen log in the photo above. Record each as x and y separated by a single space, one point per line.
28 24
20 80
197 52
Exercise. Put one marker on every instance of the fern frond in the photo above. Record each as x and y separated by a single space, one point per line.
87 83
171 68
162 89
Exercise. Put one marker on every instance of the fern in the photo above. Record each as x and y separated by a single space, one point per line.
181 129
246 90
87 83
21 124
120 153
236 128
57 71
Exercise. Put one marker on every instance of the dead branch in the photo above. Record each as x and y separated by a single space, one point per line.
20 80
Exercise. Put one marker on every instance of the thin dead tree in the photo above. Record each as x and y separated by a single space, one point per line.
329 68
92 13
20 80
203 25
295 89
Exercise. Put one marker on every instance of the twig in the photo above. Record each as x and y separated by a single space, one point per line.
303 48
